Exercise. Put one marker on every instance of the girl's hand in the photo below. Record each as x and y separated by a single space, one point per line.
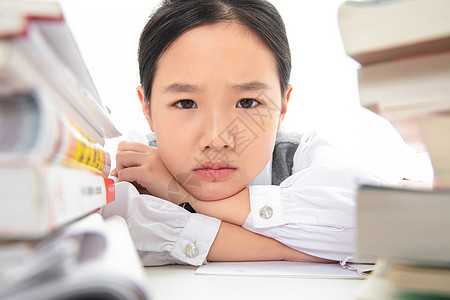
142 165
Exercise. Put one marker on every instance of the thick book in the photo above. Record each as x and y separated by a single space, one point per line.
410 86
90 259
408 224
43 52
374 30
38 198
436 134
393 279
33 130
426 280
404 91
12 62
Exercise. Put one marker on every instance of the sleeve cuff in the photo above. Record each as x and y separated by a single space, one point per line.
266 209
194 242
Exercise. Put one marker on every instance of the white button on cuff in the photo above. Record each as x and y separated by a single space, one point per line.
191 250
266 212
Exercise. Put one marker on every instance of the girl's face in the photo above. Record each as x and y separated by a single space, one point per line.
215 109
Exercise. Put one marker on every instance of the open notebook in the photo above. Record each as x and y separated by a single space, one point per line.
286 269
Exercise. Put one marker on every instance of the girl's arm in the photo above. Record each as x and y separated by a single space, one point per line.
162 233
311 211
141 164
234 243
234 210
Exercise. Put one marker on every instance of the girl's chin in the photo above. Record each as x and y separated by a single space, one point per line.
216 194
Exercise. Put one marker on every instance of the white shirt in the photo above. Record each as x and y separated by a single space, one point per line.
312 211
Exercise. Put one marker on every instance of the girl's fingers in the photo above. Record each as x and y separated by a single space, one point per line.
126 159
133 146
114 172
127 174
135 176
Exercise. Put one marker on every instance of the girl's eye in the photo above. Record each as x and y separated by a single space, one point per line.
247 103
185 104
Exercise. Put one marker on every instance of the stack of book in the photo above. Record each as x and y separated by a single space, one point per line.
53 164
404 51
403 47
54 168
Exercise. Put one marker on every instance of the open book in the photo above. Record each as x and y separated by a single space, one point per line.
89 259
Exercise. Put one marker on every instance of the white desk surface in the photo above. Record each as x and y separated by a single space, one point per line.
180 282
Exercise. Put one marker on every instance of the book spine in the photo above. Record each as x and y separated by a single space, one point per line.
74 193
31 130
77 148
54 196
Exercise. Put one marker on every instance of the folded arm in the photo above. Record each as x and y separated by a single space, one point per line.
312 211
234 243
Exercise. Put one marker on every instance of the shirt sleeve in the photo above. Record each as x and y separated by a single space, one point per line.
313 210
163 233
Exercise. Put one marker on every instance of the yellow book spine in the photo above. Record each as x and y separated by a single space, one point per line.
80 149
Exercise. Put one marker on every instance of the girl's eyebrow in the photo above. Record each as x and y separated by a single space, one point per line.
179 87
251 86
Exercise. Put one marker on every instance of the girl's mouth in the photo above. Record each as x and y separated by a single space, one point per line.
215 170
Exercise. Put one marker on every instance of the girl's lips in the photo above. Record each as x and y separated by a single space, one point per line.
214 173
215 170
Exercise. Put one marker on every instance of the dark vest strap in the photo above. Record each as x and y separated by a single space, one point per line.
283 155
151 139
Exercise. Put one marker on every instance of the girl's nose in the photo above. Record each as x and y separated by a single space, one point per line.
216 135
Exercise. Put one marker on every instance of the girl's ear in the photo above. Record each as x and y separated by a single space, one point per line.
284 106
145 106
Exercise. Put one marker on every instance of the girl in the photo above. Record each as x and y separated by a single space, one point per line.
214 89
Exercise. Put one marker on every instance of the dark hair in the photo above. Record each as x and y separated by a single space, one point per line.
174 17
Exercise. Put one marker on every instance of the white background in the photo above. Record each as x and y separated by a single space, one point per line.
325 95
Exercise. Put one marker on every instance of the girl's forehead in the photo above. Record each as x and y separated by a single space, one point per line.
224 45
223 34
